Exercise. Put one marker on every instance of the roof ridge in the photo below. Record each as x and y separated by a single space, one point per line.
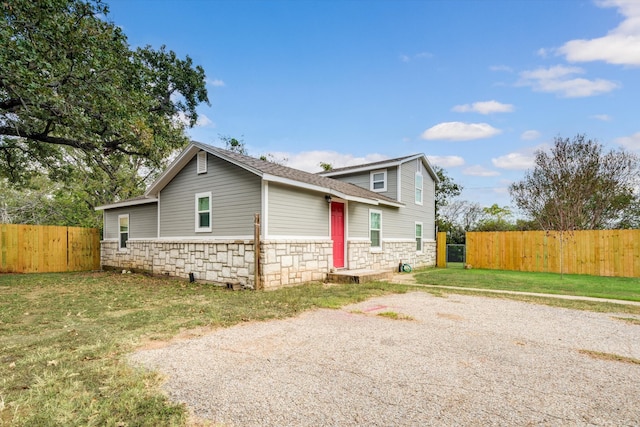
370 164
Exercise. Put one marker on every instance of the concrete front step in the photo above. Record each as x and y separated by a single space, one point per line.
359 276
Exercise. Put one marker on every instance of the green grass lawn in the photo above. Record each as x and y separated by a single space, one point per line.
64 338
621 288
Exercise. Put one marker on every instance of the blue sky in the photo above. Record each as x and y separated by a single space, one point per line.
477 86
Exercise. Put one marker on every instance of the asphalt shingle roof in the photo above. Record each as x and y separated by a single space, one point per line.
369 165
281 171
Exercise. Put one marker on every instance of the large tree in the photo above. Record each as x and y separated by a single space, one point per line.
76 101
446 190
578 186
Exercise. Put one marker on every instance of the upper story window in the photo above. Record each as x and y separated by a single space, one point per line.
123 231
379 180
419 185
202 162
203 212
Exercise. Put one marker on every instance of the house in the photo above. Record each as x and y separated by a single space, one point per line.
201 217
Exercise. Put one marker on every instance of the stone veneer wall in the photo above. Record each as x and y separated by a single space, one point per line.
292 262
224 261
283 263
360 255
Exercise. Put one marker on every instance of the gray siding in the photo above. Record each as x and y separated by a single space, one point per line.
143 221
235 193
363 179
404 224
296 212
359 219
399 223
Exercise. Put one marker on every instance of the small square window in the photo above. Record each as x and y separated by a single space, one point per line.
379 180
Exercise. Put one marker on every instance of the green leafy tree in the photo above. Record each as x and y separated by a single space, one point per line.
79 106
233 144
577 186
326 166
44 202
446 190
495 218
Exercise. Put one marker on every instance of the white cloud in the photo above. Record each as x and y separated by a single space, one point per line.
484 107
630 142
446 161
561 80
459 131
216 82
542 52
556 72
620 46
504 68
419 55
529 135
515 161
426 55
602 117
479 171
203 121
310 160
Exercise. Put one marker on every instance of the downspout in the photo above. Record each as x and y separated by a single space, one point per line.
256 252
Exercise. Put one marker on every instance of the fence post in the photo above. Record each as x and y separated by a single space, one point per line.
441 249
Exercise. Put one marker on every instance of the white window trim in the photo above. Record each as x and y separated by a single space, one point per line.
120 247
375 248
384 180
197 213
202 162
421 237
415 189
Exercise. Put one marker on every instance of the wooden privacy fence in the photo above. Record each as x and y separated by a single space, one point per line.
593 252
47 249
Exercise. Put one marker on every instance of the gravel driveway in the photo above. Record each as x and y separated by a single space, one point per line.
458 360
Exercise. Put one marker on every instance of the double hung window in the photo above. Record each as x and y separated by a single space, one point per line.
419 186
123 231
378 180
418 236
375 229
203 212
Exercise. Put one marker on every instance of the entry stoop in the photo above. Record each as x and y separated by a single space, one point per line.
359 276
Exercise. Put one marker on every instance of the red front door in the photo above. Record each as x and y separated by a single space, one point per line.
337 233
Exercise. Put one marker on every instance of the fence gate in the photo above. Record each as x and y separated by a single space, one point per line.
456 254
